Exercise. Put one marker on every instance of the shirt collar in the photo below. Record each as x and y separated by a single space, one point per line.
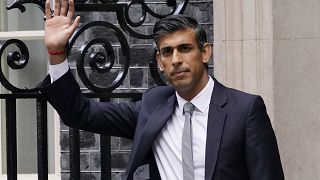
201 101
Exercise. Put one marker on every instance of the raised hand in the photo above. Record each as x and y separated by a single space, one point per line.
59 29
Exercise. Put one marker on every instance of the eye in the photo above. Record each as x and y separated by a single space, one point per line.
184 48
166 52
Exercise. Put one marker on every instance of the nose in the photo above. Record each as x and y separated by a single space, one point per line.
176 58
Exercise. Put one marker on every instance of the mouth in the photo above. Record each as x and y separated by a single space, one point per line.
179 73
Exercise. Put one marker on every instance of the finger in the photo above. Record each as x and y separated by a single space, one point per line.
75 24
48 10
57 5
64 8
71 9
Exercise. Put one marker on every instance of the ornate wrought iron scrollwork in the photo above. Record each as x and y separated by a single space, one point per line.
142 18
121 8
98 61
16 60
126 23
102 62
145 8
20 4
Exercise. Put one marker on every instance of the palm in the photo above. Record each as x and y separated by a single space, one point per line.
57 31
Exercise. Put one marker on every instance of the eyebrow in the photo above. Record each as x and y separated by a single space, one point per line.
179 45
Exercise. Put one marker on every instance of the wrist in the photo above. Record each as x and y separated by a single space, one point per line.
57 52
57 59
56 55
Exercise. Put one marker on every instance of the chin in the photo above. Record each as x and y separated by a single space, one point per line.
182 87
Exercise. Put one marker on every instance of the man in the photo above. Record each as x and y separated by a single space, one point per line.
225 134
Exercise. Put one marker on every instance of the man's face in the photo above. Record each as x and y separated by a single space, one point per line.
182 62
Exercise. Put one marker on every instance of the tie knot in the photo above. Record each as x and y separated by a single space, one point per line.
188 107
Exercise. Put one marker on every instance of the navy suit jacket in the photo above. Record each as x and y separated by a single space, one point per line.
240 145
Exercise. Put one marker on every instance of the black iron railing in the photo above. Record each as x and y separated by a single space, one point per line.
101 62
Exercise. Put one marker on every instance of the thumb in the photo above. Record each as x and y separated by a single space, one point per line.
75 24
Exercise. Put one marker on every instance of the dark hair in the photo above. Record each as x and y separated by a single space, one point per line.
177 22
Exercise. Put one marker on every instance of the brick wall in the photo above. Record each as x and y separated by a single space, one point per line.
138 79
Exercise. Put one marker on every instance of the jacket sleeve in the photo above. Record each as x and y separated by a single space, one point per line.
262 154
77 111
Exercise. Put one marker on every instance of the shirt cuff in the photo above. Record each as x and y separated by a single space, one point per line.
58 70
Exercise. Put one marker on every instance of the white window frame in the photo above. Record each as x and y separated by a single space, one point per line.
22 35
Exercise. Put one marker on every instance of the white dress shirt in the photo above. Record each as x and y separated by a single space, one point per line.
167 147
58 70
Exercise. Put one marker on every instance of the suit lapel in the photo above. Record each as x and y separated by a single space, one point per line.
216 120
150 132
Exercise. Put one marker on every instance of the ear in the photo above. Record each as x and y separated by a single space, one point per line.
206 52
159 61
